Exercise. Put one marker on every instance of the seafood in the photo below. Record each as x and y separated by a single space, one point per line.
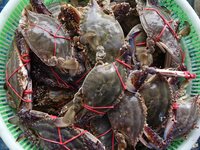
18 81
161 30
70 17
40 129
157 95
47 39
110 92
100 96
101 128
101 32
184 115
126 16
128 119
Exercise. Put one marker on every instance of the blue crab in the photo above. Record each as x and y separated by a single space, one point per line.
40 129
100 91
128 119
101 32
161 30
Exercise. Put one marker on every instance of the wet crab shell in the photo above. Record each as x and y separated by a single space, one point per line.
157 95
107 30
39 128
186 117
102 85
50 100
39 33
136 38
46 130
153 25
129 117
16 78
101 128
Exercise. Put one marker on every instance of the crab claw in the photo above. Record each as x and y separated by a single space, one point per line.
88 38
185 31
39 7
184 119
171 73
67 120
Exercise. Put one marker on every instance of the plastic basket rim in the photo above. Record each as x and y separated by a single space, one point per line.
8 138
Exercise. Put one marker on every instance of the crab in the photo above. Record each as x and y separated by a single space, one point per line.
128 119
55 60
39 7
50 100
125 15
136 39
100 91
161 30
183 118
101 128
70 17
101 32
40 129
18 81
184 115
52 45
157 94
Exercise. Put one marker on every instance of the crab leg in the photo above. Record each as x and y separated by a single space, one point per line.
171 73
39 7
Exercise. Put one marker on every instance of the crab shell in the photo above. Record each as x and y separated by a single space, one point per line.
106 30
39 128
45 129
126 16
50 100
129 117
19 80
101 128
39 32
153 25
70 17
157 95
136 36
102 86
186 117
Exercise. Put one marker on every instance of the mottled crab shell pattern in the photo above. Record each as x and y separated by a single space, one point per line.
129 117
102 129
18 80
153 25
50 100
39 33
109 33
102 86
157 95
137 36
46 129
186 118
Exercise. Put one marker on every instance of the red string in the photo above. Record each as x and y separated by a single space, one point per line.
60 139
12 88
93 109
189 75
120 78
123 63
60 136
167 24
104 133
52 34
81 78
113 141
59 79
141 44
165 21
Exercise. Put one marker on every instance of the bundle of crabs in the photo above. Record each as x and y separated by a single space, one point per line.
100 75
